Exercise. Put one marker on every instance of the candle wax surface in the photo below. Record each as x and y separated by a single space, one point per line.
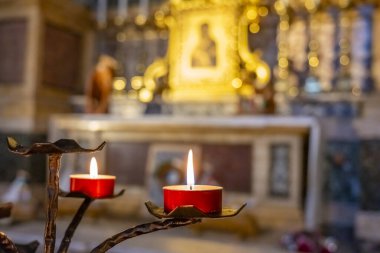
87 176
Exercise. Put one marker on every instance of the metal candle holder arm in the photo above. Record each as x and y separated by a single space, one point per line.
141 230
66 240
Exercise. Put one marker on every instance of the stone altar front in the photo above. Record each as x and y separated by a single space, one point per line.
270 162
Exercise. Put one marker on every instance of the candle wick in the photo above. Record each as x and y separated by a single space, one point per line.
191 187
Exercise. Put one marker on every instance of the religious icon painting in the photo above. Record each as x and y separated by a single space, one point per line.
202 53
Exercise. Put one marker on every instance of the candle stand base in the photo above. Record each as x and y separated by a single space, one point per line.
190 212
6 244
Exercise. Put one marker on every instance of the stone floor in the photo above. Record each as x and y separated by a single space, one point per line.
179 240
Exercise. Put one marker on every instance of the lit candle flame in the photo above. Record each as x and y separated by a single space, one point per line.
190 170
93 168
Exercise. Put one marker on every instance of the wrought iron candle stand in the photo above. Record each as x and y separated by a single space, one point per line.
181 216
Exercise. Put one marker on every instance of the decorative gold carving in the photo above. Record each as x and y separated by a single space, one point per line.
156 70
252 60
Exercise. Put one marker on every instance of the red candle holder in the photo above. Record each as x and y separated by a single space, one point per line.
94 187
206 198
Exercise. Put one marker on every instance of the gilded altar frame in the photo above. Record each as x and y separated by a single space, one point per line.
207 82
224 70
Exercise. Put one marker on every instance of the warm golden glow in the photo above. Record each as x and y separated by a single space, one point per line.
251 14
293 91
169 21
237 83
310 5
246 91
140 19
159 15
137 82
93 168
145 95
190 170
283 62
281 86
280 7
314 61
263 11
344 3
283 73
263 75
344 60
284 25
119 84
254 28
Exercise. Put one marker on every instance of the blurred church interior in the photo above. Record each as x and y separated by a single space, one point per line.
279 100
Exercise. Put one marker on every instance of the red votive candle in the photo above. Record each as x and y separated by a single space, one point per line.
93 185
97 187
207 198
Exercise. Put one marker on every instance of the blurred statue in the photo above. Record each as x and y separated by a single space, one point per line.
20 194
19 190
99 87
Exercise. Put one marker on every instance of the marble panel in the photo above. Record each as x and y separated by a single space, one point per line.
62 58
230 165
127 161
370 175
342 182
12 50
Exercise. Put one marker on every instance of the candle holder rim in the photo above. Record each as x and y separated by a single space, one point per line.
173 187
190 211
65 194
